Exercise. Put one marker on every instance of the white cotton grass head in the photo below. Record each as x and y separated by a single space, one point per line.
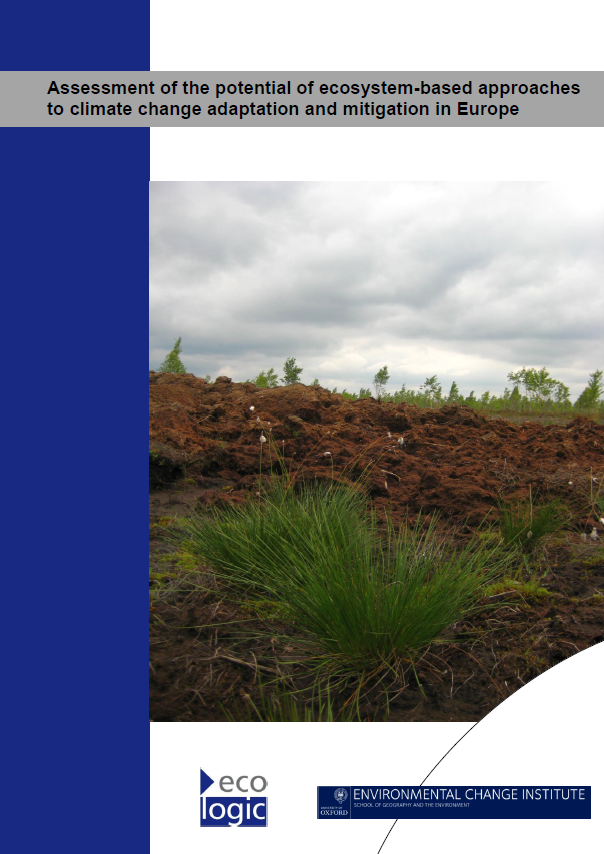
594 534
252 408
401 441
602 521
262 439
327 454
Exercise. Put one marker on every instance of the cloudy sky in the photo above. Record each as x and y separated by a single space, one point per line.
468 281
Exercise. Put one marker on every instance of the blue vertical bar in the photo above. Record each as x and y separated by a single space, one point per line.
74 272
69 34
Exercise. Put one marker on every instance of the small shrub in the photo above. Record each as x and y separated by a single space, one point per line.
172 363
291 372
380 381
266 379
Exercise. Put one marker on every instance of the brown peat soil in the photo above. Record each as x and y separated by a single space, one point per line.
212 658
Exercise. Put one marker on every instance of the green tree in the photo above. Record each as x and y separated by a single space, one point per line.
562 393
315 383
593 392
291 373
267 379
380 381
454 395
172 363
538 384
543 384
432 389
520 377
515 398
405 395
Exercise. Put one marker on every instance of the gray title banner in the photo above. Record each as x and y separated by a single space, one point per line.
302 98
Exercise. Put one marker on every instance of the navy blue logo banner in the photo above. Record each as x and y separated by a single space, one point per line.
390 802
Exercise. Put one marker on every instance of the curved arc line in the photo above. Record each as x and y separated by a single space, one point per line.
429 772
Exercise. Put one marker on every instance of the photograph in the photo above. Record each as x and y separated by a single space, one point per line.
376 446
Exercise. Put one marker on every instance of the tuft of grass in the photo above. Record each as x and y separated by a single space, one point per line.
366 595
282 705
525 526
265 547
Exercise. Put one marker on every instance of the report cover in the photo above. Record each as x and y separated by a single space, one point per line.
375 425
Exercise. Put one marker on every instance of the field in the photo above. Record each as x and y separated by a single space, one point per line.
217 653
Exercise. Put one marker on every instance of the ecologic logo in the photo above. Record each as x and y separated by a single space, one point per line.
237 810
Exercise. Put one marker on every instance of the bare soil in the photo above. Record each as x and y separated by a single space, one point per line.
205 450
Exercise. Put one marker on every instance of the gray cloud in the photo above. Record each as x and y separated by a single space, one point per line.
469 281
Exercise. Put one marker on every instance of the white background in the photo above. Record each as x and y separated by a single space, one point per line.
549 732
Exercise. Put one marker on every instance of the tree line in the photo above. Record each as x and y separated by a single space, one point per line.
533 389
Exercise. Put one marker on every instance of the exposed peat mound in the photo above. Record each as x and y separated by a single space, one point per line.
453 460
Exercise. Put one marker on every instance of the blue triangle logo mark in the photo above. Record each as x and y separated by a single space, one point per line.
204 781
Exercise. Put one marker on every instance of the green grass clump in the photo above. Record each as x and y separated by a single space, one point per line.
366 595
524 526
266 547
